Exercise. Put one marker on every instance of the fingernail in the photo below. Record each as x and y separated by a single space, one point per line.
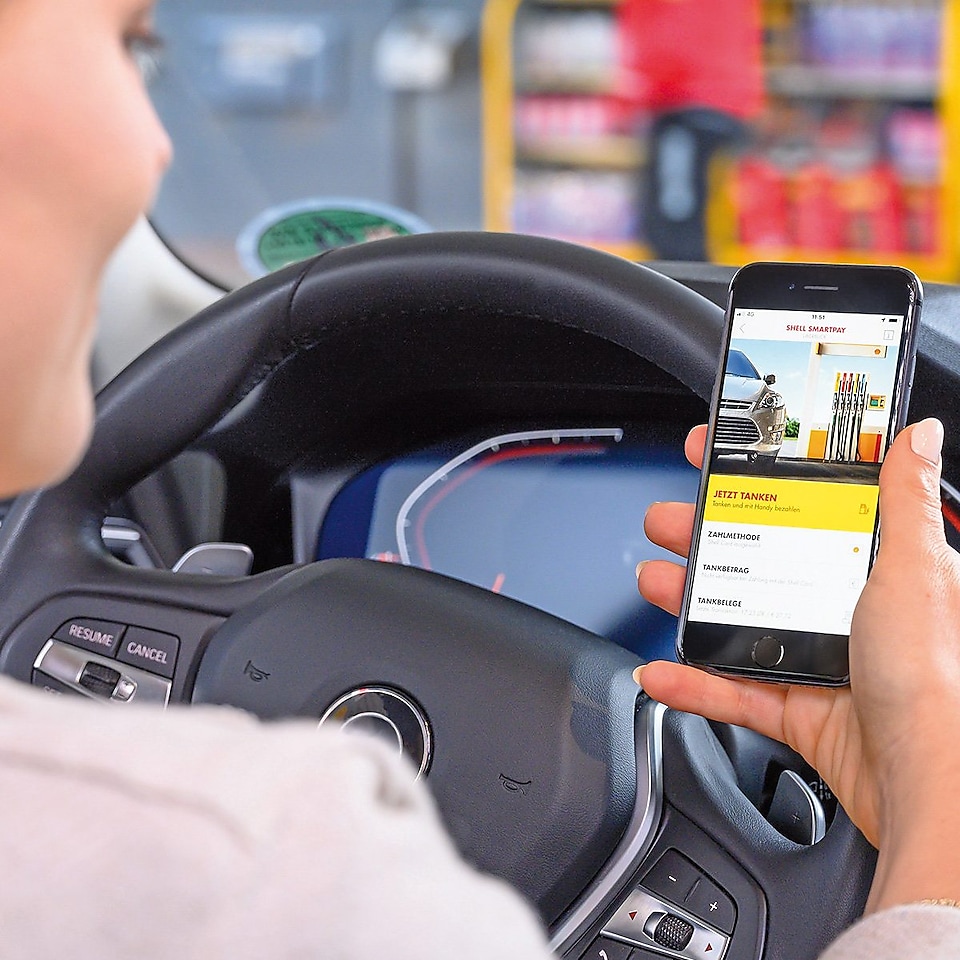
638 675
926 439
640 566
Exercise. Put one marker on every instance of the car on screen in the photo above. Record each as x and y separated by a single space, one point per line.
753 416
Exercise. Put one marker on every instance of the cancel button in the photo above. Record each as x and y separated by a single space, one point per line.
149 650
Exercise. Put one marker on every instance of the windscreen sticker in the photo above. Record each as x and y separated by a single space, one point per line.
297 231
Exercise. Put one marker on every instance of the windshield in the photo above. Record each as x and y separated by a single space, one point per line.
299 105
798 131
739 366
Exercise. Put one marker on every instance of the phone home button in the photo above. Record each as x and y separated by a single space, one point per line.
767 652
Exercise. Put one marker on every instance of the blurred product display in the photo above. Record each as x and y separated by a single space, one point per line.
563 148
817 129
592 205
861 182
854 157
669 129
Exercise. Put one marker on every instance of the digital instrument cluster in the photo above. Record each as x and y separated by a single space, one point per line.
550 517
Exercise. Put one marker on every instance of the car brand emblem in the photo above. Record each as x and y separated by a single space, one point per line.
388 714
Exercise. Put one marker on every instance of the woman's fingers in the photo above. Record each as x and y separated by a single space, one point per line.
745 703
814 721
661 582
910 494
670 525
694 445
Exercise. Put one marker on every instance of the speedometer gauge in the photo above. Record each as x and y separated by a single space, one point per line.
455 474
551 517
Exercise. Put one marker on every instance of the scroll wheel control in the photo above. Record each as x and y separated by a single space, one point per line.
669 931
99 679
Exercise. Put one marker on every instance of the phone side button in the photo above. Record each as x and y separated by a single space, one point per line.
767 652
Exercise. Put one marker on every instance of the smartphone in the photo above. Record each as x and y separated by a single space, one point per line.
817 366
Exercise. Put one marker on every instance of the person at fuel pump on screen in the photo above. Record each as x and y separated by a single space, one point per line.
204 833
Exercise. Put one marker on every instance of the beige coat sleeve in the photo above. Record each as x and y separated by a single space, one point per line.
203 833
913 932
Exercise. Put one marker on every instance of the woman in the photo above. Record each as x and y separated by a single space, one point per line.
887 744
202 833
194 834
81 154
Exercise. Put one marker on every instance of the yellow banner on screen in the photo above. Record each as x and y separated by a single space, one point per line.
816 504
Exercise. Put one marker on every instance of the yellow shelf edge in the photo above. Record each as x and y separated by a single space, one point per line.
496 70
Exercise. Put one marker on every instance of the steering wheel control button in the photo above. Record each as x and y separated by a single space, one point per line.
150 650
669 931
388 714
49 685
649 922
627 923
708 902
97 677
105 682
673 876
96 635
125 690
767 652
705 944
603 948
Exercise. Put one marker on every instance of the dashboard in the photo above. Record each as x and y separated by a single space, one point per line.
552 517
439 451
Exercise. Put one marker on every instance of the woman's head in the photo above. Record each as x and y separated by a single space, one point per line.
81 155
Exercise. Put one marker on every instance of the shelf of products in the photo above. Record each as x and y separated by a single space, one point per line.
802 81
563 158
854 155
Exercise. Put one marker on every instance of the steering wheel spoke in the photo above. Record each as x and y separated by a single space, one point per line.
112 632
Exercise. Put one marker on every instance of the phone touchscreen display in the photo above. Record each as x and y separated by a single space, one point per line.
791 501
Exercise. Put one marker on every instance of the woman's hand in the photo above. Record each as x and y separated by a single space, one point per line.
889 744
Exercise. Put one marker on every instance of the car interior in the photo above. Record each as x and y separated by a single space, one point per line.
406 479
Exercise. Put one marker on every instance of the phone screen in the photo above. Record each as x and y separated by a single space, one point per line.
807 408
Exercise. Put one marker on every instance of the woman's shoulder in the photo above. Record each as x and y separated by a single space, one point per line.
925 930
209 832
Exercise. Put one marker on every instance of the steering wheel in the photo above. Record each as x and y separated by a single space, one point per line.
548 767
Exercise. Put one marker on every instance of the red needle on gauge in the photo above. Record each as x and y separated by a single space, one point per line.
498 583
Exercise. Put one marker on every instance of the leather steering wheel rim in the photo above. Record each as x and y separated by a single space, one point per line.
50 544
